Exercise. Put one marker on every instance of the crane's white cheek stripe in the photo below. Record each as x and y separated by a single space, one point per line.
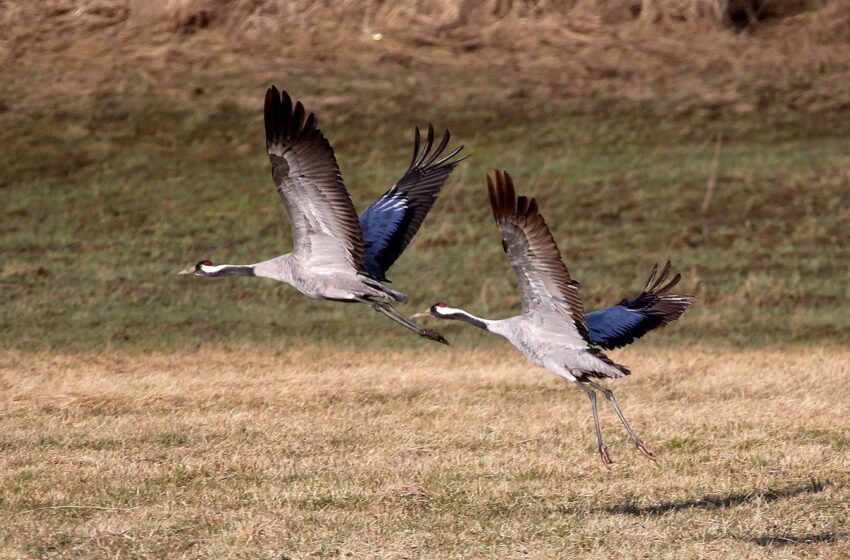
213 269
447 310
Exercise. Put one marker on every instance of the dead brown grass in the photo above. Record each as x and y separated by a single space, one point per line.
328 452
677 56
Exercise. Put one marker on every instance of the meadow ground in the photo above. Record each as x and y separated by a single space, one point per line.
131 152
144 415
309 452
98 219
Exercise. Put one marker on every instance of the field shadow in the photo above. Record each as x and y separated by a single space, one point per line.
714 501
788 539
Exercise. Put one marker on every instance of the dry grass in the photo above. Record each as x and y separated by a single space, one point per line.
323 452
674 56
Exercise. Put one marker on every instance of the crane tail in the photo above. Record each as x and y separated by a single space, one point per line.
394 294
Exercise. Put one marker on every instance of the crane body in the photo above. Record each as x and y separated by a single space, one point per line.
553 330
338 256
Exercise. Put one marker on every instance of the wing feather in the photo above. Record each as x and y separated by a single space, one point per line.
544 281
324 223
623 323
391 221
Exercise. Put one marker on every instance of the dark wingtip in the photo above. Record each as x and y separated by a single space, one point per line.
522 205
651 280
297 120
285 119
419 158
503 200
664 273
671 284
440 147
655 284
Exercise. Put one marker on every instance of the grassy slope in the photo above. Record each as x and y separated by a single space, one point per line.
98 212
256 453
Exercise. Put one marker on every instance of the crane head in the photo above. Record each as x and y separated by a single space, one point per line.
198 269
440 309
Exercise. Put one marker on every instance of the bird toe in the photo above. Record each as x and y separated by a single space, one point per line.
434 335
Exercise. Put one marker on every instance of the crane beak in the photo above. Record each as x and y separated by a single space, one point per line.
190 270
426 313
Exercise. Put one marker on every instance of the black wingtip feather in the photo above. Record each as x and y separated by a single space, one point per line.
671 284
285 116
451 154
418 158
284 120
439 149
662 277
427 158
522 205
297 120
310 124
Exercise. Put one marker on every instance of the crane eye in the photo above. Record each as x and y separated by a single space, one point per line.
442 304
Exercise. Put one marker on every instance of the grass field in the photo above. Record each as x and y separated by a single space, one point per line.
302 453
145 415
97 218
130 156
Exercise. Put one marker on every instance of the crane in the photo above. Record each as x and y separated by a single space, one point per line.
337 256
553 330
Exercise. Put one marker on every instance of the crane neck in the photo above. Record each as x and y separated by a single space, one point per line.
228 270
467 317
279 268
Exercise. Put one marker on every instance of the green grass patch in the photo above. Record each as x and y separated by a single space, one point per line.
99 212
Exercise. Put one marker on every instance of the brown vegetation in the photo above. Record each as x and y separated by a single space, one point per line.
254 453
586 55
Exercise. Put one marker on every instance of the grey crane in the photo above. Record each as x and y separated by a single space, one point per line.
336 256
552 330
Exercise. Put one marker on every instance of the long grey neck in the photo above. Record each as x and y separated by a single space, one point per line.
278 268
229 270
467 317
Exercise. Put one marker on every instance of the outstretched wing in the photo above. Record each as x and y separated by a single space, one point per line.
544 282
390 222
325 230
625 322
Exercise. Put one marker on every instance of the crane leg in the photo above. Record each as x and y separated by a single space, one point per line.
609 394
390 311
603 450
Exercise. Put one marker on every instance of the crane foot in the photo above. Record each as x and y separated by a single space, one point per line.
433 335
645 450
606 458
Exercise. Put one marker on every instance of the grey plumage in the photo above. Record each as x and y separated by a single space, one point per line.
551 326
551 331
328 257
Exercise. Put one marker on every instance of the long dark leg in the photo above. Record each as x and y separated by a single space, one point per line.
603 450
390 311
609 394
